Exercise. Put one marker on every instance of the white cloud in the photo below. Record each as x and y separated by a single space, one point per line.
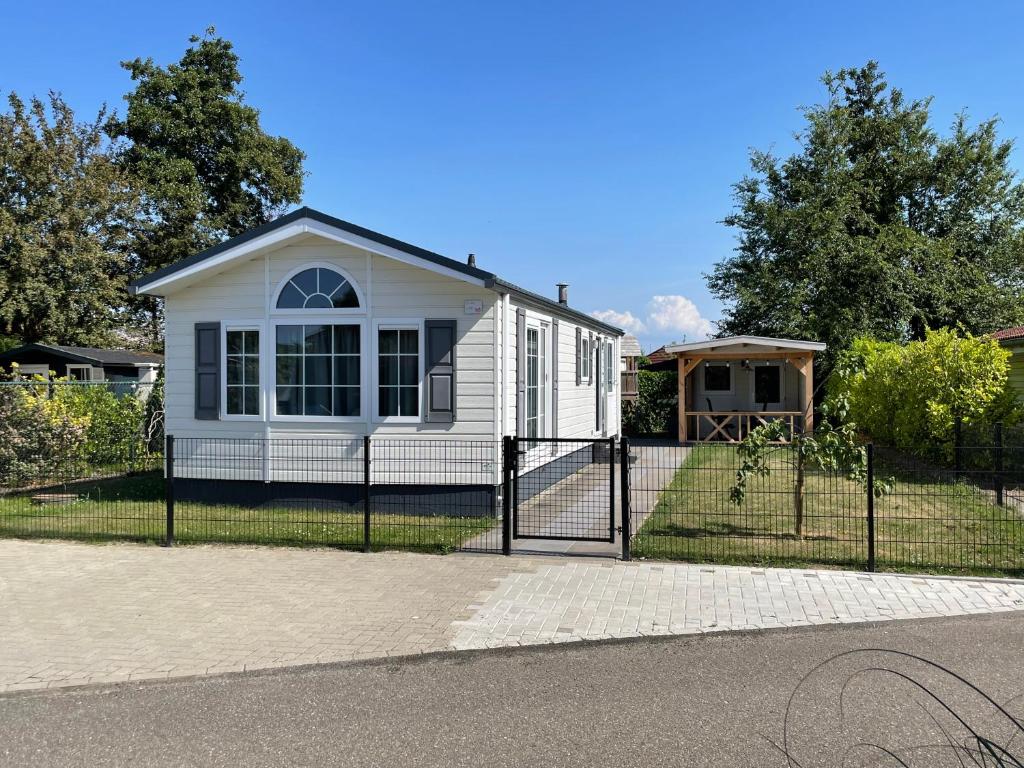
625 320
677 314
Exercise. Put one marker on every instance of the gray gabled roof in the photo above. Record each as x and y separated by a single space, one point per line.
489 279
91 355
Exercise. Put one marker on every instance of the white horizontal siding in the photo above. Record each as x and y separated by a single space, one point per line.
391 290
577 404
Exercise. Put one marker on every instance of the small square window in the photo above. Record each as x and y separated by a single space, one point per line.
717 377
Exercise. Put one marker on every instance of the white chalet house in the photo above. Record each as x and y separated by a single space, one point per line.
312 327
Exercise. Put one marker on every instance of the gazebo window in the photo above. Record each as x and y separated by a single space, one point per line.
318 288
717 377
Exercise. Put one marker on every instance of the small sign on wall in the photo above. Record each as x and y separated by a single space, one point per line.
474 306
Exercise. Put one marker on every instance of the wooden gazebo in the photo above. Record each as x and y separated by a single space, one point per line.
729 386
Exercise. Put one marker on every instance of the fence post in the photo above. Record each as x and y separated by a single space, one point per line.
871 505
958 441
998 436
507 467
624 492
366 493
169 489
611 489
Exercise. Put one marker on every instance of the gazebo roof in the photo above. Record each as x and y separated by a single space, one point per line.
741 345
629 346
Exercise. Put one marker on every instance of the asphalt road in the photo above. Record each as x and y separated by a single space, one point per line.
708 700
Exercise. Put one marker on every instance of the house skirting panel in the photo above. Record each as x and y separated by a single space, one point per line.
394 499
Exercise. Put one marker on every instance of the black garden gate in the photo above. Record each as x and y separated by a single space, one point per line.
561 489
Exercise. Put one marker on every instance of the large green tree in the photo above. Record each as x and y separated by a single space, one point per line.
66 213
206 168
876 226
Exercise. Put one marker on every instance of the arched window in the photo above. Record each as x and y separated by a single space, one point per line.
318 288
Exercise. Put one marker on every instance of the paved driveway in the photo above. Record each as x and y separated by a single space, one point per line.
76 613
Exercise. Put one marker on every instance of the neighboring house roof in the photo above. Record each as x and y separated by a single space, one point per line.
309 221
658 355
739 343
1015 334
91 355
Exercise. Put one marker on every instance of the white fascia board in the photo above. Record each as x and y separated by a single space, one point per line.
340 236
752 341
297 229
270 239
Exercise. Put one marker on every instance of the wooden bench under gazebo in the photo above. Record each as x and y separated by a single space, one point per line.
730 386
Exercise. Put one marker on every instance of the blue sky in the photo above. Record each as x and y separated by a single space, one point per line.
593 142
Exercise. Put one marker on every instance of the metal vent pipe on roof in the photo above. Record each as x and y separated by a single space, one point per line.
563 293
471 260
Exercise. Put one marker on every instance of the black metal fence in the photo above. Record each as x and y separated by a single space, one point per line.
902 513
360 493
65 497
564 489
668 500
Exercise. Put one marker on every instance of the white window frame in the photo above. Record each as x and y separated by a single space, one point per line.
609 366
79 367
310 317
732 378
34 369
242 325
780 368
276 293
396 324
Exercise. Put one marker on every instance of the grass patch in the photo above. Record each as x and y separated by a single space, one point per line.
930 522
133 508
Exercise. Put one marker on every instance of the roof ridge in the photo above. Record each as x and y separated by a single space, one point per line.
489 279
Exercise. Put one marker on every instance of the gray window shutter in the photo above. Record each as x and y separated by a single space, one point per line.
521 372
554 378
207 397
579 355
440 371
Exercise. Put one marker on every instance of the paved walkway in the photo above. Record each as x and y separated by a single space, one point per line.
77 613
579 504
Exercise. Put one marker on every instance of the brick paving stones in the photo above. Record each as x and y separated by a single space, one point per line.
72 614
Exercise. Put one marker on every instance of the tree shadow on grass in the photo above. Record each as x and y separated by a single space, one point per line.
721 529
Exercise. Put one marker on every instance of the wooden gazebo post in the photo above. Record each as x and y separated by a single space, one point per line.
805 364
684 367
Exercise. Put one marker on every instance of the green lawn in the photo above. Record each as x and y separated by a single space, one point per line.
133 508
928 522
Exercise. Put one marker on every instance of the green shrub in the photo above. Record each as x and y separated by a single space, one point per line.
113 421
39 438
656 408
911 395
